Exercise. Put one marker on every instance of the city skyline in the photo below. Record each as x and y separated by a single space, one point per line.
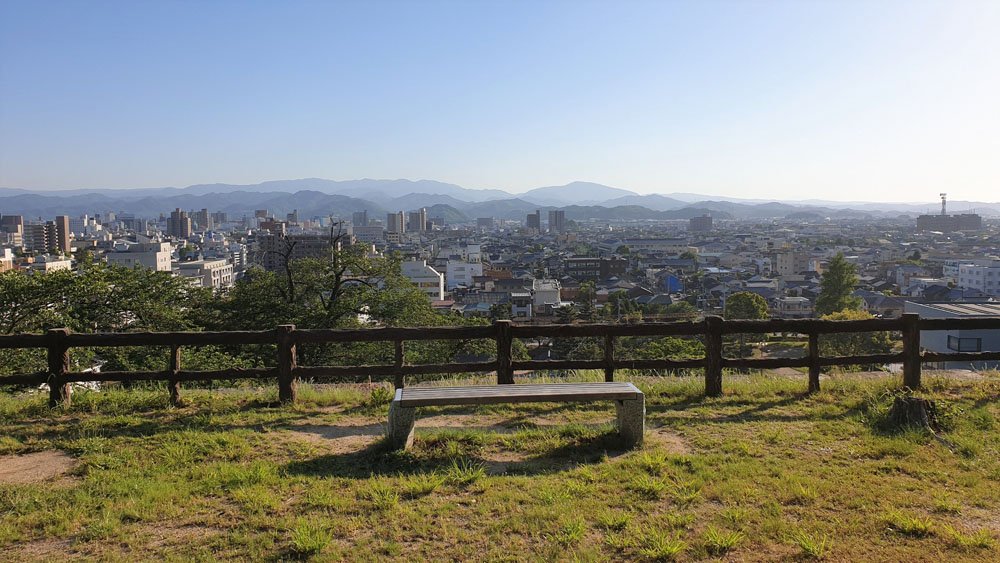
889 101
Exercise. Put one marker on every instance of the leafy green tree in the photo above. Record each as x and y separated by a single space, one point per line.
745 305
837 287
500 311
619 304
111 298
853 343
586 298
32 303
680 308
567 314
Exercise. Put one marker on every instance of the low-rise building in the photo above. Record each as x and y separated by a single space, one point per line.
49 263
217 274
946 341
149 255
792 307
545 294
426 278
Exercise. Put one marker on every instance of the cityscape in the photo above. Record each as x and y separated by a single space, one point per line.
529 269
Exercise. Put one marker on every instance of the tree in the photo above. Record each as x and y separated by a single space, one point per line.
680 308
745 305
619 304
32 303
853 343
499 311
566 314
585 298
837 287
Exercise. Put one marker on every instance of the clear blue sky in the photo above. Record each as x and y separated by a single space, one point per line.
872 100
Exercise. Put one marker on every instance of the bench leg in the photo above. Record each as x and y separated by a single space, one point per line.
631 421
401 421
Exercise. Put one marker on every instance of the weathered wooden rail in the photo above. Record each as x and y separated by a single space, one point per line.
58 343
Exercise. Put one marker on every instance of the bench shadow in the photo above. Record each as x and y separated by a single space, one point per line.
378 459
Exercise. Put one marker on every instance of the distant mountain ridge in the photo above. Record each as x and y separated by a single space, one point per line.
321 197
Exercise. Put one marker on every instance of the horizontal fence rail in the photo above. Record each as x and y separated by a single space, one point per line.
285 338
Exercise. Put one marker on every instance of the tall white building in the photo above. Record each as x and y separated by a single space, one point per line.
984 277
429 280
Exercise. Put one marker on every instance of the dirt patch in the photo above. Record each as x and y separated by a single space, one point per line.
164 534
48 549
35 467
977 518
338 439
671 441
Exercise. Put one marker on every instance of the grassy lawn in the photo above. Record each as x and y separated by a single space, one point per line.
763 473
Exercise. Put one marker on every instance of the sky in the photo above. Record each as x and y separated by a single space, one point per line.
847 100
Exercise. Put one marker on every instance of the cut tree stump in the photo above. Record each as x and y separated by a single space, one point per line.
913 411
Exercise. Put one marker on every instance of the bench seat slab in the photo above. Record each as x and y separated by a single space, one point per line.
629 401
527 393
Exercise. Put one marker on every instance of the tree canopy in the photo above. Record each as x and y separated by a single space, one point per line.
350 289
745 305
837 287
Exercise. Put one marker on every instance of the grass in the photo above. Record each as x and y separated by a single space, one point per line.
812 546
661 546
764 472
909 525
719 542
309 537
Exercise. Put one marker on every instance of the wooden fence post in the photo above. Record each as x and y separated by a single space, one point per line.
813 362
287 384
713 356
58 356
398 364
609 357
911 350
505 359
173 384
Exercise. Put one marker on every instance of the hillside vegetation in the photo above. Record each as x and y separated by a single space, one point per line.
762 473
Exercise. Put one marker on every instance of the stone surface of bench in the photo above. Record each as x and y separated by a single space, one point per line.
629 402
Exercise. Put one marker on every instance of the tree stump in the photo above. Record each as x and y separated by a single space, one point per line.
913 411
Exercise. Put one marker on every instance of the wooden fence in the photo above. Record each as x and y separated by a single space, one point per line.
58 342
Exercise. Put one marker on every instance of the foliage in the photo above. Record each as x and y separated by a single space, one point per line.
837 287
350 289
619 304
567 314
500 311
99 297
853 343
586 299
746 305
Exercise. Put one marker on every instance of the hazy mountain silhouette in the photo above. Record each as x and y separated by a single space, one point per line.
319 197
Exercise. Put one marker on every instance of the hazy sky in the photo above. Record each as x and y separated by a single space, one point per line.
849 100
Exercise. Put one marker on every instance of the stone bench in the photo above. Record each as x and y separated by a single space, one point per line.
629 400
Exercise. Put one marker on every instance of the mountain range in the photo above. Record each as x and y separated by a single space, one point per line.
319 197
